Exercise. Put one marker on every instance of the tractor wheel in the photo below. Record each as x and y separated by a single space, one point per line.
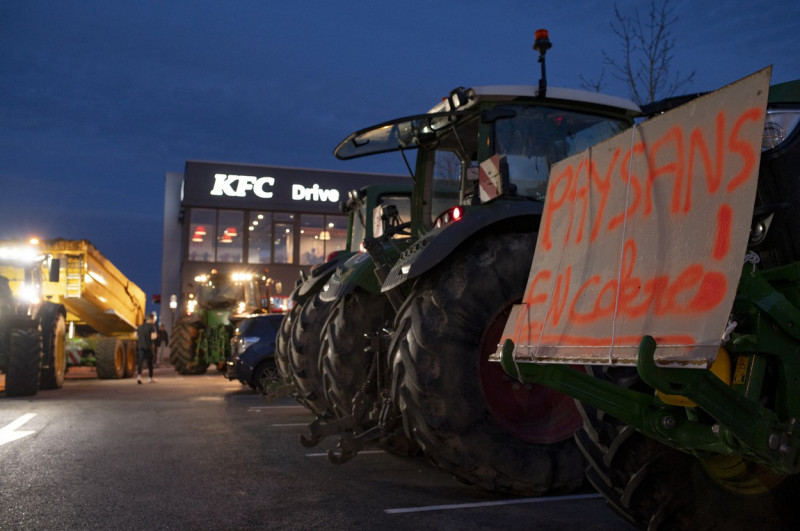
24 362
352 374
468 417
282 342
54 346
110 355
183 349
653 486
304 352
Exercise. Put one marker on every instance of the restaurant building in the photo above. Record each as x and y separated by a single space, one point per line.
268 220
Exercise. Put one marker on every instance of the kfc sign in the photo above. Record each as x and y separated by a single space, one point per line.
239 185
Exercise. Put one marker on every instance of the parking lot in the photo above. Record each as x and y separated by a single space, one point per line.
202 452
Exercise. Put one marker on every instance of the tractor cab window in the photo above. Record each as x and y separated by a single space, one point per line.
455 151
533 138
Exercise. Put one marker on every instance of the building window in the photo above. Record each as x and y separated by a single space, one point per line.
259 234
229 236
312 244
336 234
283 239
202 229
321 235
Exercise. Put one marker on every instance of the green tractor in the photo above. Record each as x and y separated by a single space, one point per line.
673 443
427 375
32 331
297 346
202 337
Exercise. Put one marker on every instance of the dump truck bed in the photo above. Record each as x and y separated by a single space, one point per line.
93 290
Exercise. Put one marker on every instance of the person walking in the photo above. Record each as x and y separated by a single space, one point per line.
146 336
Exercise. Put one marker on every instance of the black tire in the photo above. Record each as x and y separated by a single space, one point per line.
282 342
304 353
183 349
349 371
264 375
24 362
52 320
653 486
129 362
465 414
346 357
110 358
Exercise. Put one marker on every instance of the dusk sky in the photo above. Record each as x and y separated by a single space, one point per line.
100 98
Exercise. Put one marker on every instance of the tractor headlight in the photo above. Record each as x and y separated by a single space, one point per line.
778 126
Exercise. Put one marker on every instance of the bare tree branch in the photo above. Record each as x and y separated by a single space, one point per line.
644 59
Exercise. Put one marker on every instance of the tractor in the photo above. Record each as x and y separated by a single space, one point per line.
202 336
687 383
426 377
298 344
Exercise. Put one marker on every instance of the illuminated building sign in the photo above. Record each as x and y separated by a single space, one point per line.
247 186
238 185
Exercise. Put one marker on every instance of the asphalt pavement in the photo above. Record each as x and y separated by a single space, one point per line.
202 452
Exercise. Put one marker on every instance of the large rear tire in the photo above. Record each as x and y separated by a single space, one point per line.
466 415
183 349
353 373
110 358
24 362
52 319
282 342
304 356
653 486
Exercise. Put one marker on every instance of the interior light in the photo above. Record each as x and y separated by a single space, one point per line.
200 230
250 228
261 216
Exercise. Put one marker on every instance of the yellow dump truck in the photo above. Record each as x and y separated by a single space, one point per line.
103 307
62 303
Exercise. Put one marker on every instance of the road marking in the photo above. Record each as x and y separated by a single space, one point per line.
363 452
297 425
259 408
8 433
490 504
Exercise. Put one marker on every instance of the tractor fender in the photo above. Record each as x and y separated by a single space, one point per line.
357 271
424 254
318 276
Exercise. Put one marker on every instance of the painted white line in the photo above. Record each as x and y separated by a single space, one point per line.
259 408
8 433
491 504
363 452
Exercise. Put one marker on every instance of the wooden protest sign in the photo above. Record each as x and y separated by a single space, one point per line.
646 233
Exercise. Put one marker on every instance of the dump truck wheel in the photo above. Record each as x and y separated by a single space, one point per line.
183 349
304 352
129 363
468 419
54 346
282 342
653 486
24 362
110 358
